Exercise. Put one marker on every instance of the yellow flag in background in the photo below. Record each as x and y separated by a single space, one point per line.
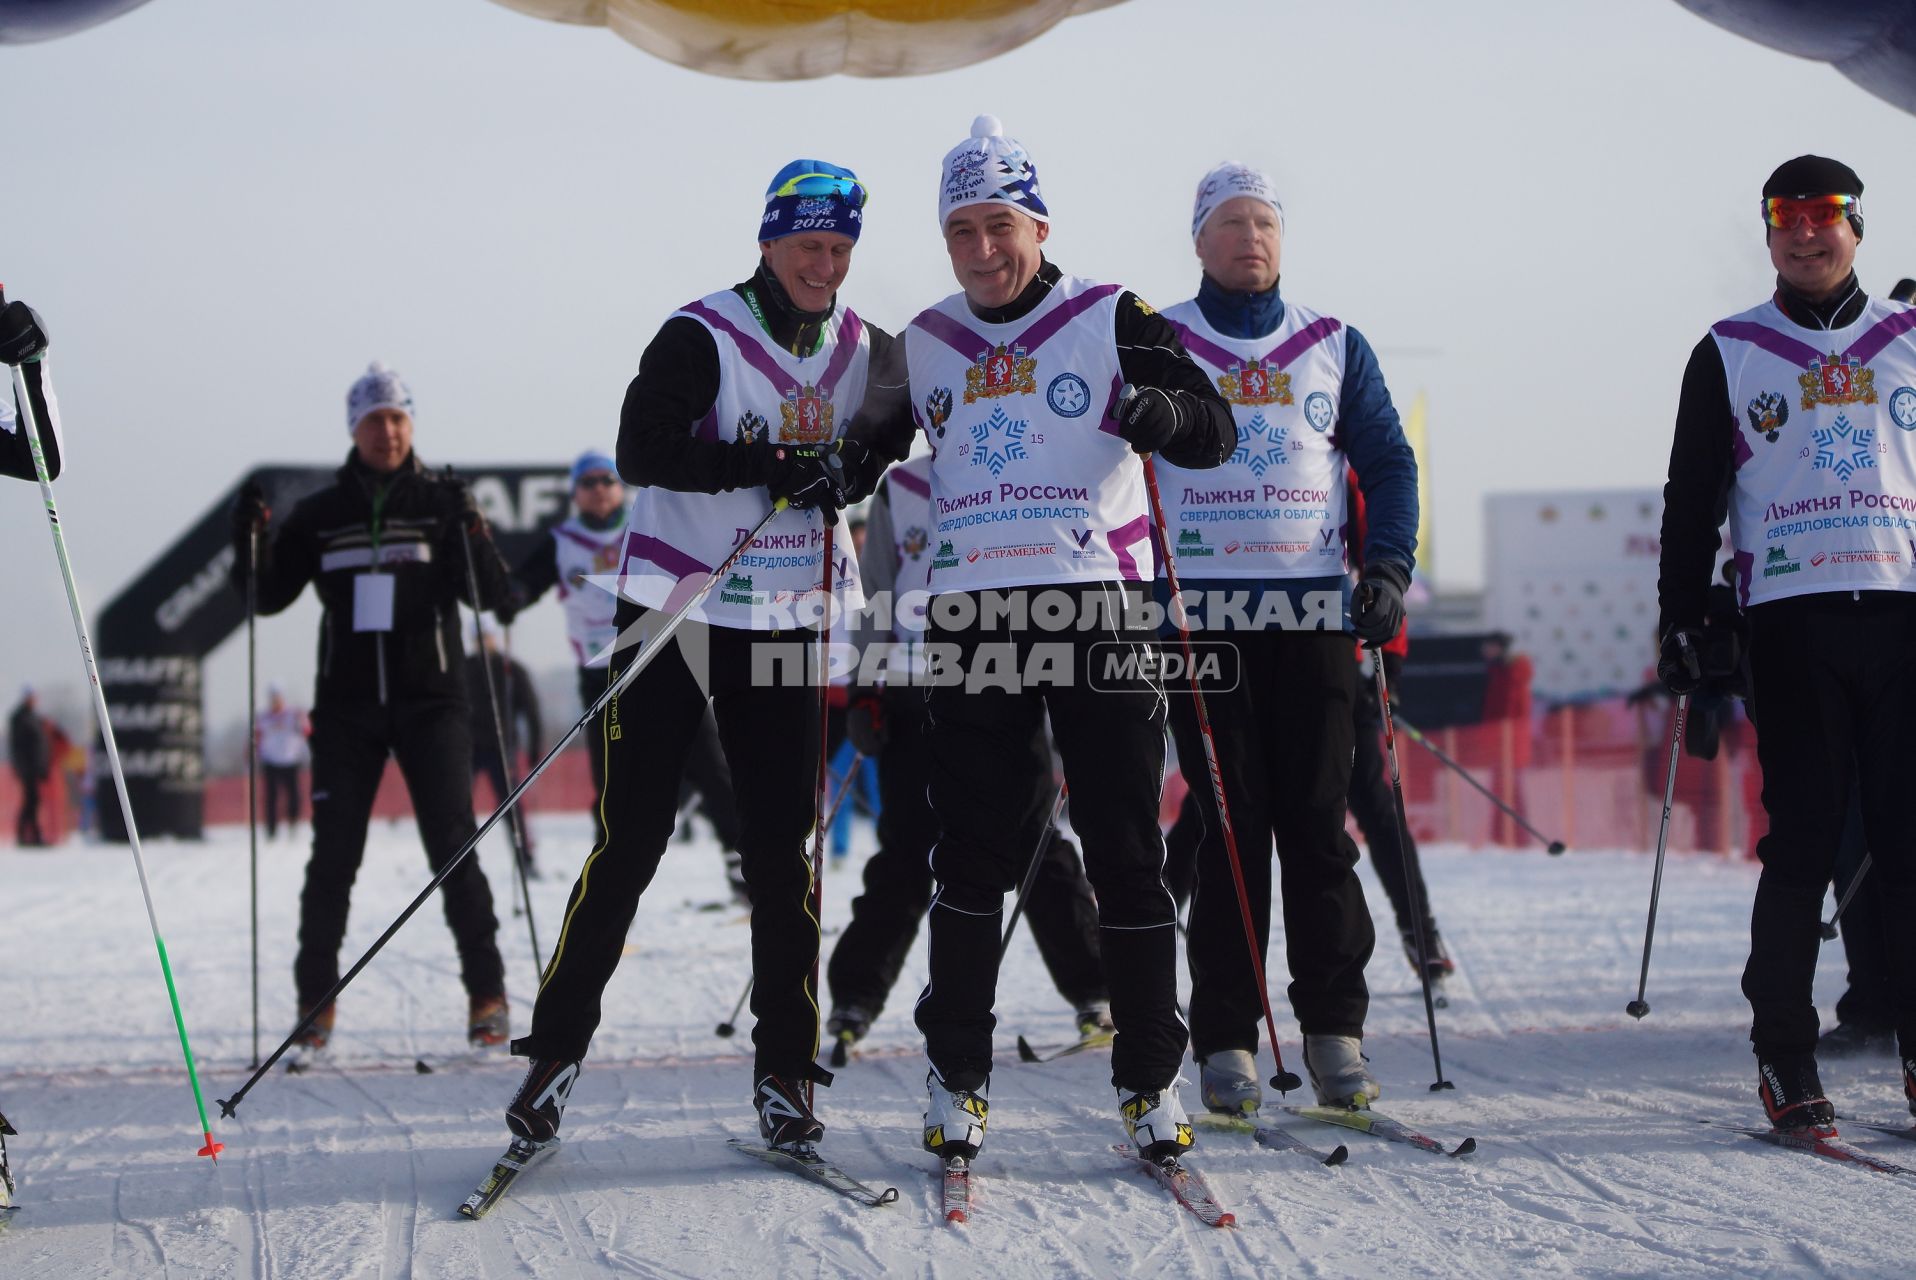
1414 431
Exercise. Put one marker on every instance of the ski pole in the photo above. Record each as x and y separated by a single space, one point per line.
514 828
1829 926
252 762
1031 869
1637 1008
819 819
1284 1081
728 1027
1415 735
1413 873
613 690
212 1149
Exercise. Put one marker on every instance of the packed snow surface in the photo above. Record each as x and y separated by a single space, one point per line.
1592 1158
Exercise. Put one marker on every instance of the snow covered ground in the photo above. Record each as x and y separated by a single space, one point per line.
1591 1161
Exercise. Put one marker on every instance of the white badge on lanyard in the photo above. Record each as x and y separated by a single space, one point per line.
373 602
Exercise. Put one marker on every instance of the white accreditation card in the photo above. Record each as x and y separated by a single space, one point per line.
373 602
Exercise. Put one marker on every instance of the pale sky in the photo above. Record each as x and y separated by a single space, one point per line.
224 210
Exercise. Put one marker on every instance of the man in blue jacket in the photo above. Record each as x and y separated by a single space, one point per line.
1262 541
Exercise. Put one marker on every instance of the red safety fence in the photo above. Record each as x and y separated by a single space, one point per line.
1589 775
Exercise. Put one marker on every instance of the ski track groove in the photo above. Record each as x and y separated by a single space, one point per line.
126 1227
406 1223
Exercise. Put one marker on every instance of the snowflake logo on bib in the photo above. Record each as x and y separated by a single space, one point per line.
1843 449
997 442
1260 445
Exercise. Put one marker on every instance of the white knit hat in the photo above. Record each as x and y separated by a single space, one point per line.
377 388
1227 182
989 167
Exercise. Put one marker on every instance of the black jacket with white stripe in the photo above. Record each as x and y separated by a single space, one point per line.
418 522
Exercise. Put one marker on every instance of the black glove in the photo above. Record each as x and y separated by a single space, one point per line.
465 507
509 608
23 338
862 469
866 723
1680 660
1148 418
807 476
250 511
1377 606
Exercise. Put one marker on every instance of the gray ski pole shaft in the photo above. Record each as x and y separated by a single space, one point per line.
614 688
1413 873
1416 736
252 764
1842 905
1031 869
31 427
514 829
1637 1008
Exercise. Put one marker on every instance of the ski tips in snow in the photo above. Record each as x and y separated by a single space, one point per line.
957 1189
519 1157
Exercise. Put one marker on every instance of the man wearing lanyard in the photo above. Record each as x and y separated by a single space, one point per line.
385 548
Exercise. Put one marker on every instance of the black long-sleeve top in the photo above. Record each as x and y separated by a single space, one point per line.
1696 497
1149 355
417 520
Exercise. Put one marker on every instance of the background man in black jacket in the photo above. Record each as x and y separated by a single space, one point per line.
385 549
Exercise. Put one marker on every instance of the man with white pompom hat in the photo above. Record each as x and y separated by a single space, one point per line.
1038 392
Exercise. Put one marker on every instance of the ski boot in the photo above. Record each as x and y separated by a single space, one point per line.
535 1111
955 1117
310 1046
1855 1040
1094 1019
1793 1095
488 1022
848 1025
1338 1074
1439 965
785 1119
1156 1121
1227 1082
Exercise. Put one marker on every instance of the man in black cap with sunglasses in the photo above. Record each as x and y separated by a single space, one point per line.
1798 419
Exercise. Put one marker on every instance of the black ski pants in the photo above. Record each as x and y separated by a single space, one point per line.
592 683
1063 914
1866 946
431 737
769 730
1834 688
1284 742
1374 805
1106 702
282 787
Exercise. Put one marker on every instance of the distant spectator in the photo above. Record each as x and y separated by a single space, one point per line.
31 757
1507 698
283 730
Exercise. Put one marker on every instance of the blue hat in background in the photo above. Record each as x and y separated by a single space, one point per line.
813 195
589 461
